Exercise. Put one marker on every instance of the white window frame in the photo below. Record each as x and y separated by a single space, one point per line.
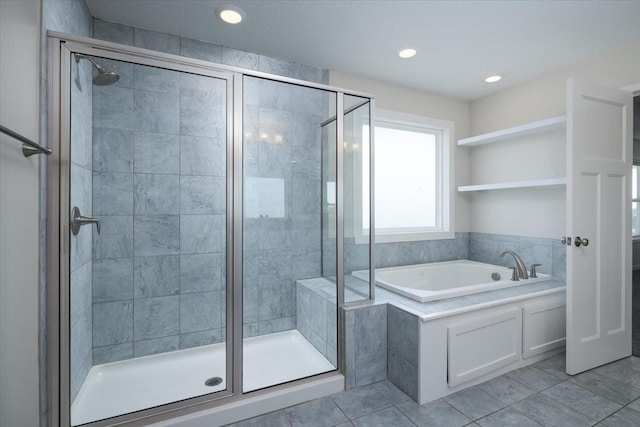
445 215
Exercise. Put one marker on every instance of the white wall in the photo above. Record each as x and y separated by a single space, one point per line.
412 101
19 110
538 213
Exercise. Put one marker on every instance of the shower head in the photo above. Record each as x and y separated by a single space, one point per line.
104 77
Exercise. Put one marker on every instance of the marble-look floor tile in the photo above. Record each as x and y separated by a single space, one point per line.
507 417
361 401
386 417
318 413
506 389
555 365
273 419
581 400
606 387
534 378
624 418
548 412
391 392
635 405
625 370
433 414
474 402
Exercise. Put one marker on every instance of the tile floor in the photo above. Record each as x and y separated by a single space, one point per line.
537 395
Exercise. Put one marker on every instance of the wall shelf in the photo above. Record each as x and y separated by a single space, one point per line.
515 132
533 183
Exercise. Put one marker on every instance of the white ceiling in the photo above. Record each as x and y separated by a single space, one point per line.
459 43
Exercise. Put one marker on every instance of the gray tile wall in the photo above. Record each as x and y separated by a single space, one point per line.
403 350
159 188
281 243
73 17
365 344
484 247
406 253
158 282
316 312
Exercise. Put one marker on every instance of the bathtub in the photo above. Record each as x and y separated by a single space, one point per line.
442 280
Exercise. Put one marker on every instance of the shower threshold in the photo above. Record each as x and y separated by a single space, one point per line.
131 385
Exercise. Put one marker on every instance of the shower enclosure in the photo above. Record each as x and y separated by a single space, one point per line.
204 222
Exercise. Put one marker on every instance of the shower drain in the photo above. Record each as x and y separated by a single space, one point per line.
212 382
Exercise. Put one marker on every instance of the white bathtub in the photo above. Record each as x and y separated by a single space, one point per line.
442 280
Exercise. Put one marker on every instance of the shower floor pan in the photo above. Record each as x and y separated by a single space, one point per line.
131 385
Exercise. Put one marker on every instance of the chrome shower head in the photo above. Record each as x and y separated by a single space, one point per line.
104 77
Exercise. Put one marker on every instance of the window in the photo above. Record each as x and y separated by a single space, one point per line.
635 215
413 179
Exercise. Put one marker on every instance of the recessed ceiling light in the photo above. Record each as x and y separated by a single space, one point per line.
493 79
231 14
407 53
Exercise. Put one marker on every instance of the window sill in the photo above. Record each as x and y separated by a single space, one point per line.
407 237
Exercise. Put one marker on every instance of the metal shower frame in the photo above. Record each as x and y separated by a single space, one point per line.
60 48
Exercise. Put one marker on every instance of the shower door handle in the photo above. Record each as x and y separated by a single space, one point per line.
77 221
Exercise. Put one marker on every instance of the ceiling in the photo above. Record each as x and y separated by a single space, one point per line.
459 43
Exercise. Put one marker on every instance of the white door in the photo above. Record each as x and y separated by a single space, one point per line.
599 158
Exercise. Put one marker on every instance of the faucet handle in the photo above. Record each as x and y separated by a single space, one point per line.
533 270
514 274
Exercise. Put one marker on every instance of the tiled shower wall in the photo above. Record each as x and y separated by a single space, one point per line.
281 236
153 173
158 188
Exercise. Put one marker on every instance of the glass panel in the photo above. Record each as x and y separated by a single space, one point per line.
356 198
148 293
289 316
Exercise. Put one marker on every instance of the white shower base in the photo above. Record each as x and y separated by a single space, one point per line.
131 385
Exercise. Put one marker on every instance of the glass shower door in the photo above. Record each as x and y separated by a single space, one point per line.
290 309
148 236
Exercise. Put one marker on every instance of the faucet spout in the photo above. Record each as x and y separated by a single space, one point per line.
522 270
